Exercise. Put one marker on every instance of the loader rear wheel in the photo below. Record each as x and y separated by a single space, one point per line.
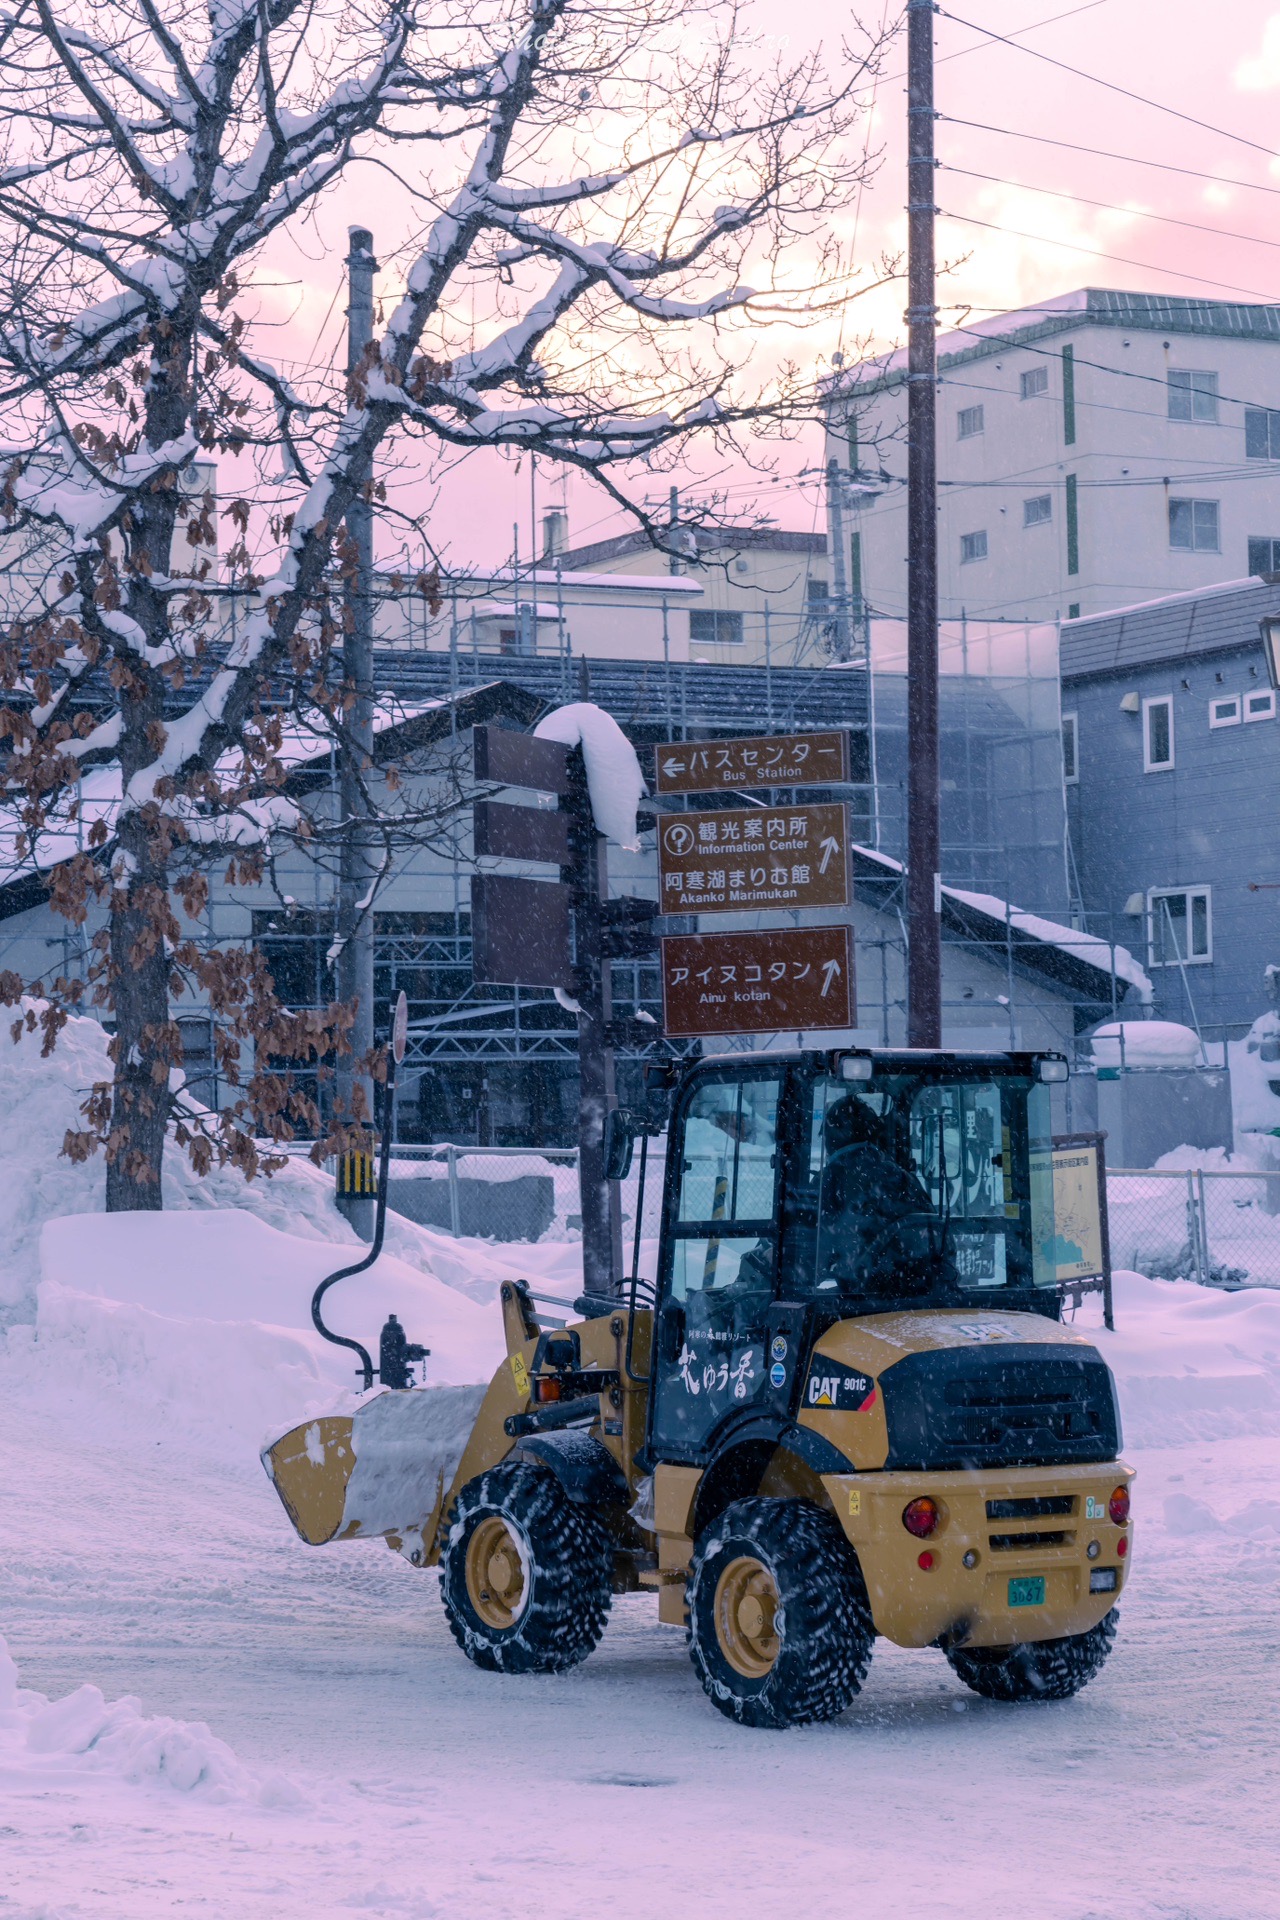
1039 1669
526 1576
780 1632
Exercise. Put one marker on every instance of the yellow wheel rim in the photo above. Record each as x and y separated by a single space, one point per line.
746 1611
495 1573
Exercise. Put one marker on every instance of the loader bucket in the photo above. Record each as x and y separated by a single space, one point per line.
384 1469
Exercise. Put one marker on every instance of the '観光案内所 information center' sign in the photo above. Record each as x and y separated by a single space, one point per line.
765 760
723 862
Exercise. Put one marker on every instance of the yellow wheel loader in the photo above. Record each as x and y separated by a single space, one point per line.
843 1406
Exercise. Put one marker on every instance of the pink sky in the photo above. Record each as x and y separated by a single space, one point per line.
1220 65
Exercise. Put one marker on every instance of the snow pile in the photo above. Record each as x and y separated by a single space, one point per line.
208 1314
1192 1363
40 1100
1255 1078
1146 1043
614 779
50 1744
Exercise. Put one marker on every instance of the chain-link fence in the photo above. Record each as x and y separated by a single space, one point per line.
1222 1229
513 1193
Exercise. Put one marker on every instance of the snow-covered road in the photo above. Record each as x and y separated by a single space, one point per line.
149 1560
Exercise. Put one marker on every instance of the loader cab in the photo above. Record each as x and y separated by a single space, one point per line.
818 1187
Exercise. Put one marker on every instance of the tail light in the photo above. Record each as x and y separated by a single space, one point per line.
1118 1506
921 1517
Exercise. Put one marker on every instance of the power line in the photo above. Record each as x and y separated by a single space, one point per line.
1108 206
1100 253
1100 153
1034 27
1111 86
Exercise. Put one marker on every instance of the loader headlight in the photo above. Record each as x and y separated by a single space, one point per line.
1054 1070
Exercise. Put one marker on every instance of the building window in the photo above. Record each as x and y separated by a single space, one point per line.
1070 761
1035 380
1192 396
973 546
1073 611
1193 526
1260 706
1157 734
1225 713
1264 554
708 628
969 421
1038 511
1180 931
1261 433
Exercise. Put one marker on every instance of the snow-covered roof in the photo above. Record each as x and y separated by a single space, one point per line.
1061 952
399 726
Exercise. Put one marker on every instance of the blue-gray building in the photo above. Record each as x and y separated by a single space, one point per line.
1171 748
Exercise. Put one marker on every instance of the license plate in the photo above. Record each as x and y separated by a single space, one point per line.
1027 1592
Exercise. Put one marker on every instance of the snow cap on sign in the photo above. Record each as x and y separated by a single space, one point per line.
614 779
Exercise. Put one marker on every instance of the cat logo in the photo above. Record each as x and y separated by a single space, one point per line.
832 1384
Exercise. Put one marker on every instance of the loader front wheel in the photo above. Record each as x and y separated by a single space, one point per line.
526 1575
780 1632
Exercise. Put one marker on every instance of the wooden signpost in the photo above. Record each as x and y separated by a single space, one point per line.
721 983
754 857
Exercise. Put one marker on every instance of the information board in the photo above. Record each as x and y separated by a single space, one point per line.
754 857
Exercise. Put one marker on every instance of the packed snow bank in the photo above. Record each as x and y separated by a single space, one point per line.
614 779
40 1099
1192 1363
209 1314
49 1744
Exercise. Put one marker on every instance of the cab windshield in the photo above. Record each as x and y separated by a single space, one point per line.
908 1188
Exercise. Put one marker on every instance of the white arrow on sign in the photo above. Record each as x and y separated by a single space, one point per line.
673 767
832 971
828 847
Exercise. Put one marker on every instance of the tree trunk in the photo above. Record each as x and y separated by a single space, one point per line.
140 1095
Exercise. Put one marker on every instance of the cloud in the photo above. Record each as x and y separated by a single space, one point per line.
1259 72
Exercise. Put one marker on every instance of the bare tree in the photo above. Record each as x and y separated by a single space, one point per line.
594 185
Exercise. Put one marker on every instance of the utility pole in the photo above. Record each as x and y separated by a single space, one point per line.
924 896
600 1199
841 648
358 861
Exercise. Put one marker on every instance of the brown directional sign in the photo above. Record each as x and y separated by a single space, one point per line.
754 857
766 760
520 833
520 760
799 978
520 931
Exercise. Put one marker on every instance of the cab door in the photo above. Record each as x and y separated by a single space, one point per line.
718 1281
